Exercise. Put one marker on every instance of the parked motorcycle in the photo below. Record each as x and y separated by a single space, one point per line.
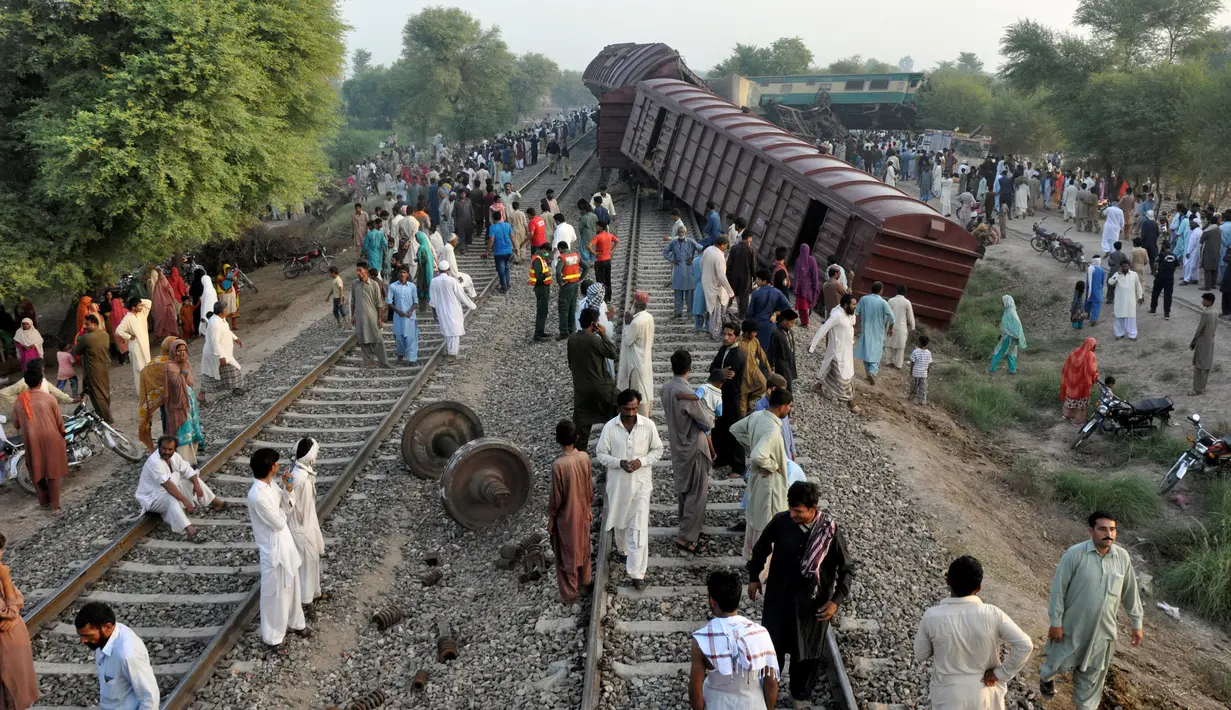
84 434
296 264
1205 451
7 451
1115 416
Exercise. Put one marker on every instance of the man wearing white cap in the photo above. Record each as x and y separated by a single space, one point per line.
448 299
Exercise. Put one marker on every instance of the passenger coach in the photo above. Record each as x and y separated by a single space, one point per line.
702 148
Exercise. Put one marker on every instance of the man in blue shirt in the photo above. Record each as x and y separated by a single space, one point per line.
500 245
713 225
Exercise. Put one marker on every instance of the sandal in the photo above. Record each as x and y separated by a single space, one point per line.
689 547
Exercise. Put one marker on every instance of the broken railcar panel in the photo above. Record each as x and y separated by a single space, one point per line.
792 195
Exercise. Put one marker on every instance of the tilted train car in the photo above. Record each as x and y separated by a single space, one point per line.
702 148
612 77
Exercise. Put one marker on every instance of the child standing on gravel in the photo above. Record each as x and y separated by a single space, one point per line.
339 299
920 363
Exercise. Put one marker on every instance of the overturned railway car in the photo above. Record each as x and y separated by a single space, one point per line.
612 77
702 148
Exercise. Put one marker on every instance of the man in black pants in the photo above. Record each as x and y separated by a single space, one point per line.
1164 280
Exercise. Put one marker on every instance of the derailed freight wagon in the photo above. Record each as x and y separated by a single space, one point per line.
612 77
702 148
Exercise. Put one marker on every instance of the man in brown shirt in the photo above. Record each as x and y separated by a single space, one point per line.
37 416
1127 203
93 348
569 513
832 289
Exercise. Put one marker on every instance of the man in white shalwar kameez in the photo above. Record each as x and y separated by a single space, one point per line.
636 370
300 486
963 636
1129 294
904 316
1192 254
218 363
718 291
280 561
629 446
1112 227
1069 201
172 488
447 299
838 366
450 257
135 328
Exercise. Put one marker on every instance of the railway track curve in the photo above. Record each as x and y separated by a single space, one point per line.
208 593
637 640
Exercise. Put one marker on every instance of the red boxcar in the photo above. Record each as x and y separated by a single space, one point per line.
702 148
612 77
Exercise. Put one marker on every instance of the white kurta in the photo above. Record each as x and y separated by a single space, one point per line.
135 328
718 291
464 279
904 317
891 176
1112 227
219 344
300 486
564 233
628 494
447 299
946 197
636 368
154 498
962 636
840 348
1128 292
208 297
280 561
1192 256
1070 201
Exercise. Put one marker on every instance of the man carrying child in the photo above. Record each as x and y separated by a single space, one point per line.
688 420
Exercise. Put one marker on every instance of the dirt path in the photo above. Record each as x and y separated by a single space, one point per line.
963 481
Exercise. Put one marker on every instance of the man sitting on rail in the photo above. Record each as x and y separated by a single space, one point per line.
172 488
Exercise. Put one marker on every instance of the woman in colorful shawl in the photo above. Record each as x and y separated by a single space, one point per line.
150 399
228 294
805 283
29 343
83 308
183 422
1079 375
757 369
166 306
1012 337
117 313
426 259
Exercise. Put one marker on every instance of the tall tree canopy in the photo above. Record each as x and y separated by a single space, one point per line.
787 55
569 91
132 129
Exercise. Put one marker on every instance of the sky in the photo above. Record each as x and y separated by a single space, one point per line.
703 31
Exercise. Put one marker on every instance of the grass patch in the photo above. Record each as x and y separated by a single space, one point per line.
1040 389
1202 579
1027 478
1170 344
1169 376
1158 448
1131 499
991 404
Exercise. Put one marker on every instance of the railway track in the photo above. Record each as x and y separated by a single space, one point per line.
637 644
192 603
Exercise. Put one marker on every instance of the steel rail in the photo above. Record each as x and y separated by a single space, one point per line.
233 629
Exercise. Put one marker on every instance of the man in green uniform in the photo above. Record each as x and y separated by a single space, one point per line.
1092 580
540 279
593 386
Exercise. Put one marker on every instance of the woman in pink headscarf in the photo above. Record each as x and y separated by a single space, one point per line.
166 307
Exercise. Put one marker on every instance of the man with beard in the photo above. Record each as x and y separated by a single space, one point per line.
593 386
732 361
629 446
688 419
809 576
741 266
125 677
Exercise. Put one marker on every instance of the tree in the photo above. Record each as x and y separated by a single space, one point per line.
454 69
853 64
953 100
1119 25
906 64
532 77
132 130
361 62
569 91
1019 123
370 98
1181 25
969 61
876 66
786 56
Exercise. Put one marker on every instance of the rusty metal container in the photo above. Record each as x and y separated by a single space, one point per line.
702 148
612 77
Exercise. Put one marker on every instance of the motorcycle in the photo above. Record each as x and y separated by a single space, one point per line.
1114 416
7 451
84 433
1205 451
296 264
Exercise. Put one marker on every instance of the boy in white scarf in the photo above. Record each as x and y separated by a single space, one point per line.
734 665
299 481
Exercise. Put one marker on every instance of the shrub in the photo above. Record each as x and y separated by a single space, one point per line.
1132 500
1159 447
991 404
1040 389
1202 579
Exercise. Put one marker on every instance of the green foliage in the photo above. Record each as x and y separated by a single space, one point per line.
532 77
1020 123
969 61
853 64
351 145
906 64
569 91
1131 499
132 130
370 96
786 56
954 99
1201 580
988 403
856 64
362 61
1157 448
1040 389
1141 32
